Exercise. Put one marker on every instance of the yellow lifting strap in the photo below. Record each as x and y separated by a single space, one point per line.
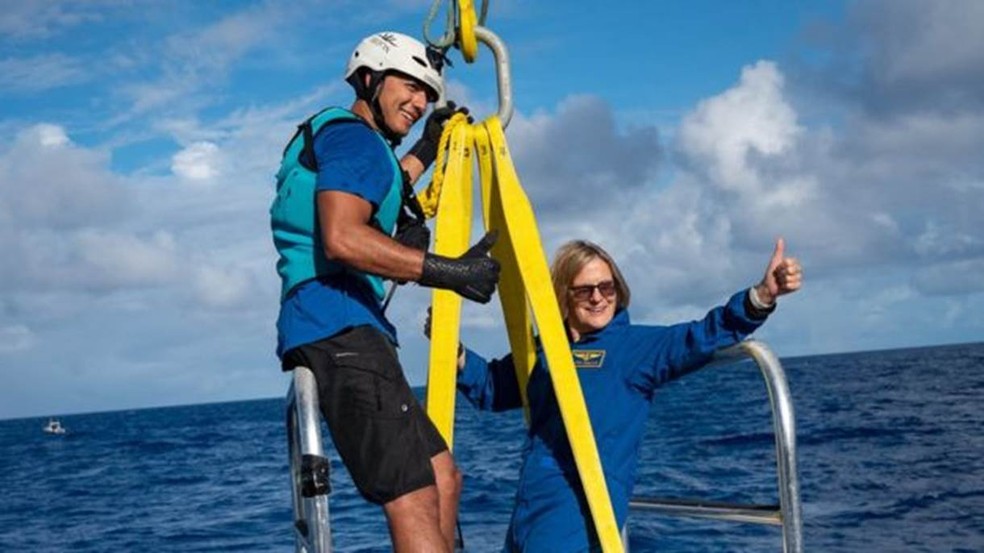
451 234
525 292
512 296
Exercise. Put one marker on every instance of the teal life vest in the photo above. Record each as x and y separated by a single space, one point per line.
294 216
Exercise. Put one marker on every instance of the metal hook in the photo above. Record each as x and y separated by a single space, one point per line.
501 71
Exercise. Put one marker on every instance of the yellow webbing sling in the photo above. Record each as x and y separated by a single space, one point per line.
451 235
525 289
525 292
512 295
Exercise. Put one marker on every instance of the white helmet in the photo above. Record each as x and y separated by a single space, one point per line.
390 51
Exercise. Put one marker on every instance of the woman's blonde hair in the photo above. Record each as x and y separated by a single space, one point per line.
568 262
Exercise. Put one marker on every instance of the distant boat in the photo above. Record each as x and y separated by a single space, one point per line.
54 427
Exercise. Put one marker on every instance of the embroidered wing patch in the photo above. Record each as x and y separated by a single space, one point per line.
589 358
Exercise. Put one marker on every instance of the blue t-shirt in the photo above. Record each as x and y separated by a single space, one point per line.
351 158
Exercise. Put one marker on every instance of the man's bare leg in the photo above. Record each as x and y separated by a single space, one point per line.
448 479
414 522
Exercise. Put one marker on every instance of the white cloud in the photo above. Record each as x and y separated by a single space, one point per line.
947 41
223 287
51 135
957 278
15 338
881 305
751 119
688 243
196 59
917 56
118 259
212 49
38 19
39 73
941 240
568 158
51 182
200 161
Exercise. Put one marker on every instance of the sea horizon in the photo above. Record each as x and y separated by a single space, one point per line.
418 387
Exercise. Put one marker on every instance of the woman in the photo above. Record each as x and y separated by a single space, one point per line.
620 365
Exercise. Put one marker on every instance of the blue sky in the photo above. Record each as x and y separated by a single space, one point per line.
138 142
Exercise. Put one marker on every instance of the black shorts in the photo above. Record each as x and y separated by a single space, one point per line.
381 432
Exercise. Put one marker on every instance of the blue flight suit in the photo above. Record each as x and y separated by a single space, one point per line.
619 368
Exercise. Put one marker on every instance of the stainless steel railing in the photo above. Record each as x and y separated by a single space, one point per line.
788 513
308 465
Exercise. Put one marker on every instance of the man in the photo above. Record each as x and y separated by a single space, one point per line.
340 194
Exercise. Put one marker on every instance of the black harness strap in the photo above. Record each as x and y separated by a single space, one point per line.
307 157
410 200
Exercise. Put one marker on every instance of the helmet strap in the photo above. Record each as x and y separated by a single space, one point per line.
370 95
377 116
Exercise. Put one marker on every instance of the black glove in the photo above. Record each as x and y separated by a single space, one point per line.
414 235
473 275
425 149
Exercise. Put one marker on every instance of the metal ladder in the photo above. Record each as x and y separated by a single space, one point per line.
788 513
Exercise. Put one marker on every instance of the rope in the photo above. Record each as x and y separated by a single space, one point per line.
430 197
446 39
452 22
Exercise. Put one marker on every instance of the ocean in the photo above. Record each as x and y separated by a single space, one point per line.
890 444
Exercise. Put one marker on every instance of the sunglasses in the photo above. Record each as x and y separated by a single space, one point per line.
586 292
